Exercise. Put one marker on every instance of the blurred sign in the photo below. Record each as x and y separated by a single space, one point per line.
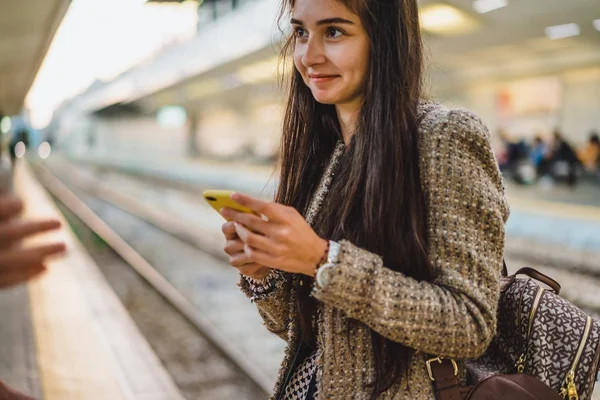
531 106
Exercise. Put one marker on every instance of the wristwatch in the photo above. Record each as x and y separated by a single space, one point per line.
324 272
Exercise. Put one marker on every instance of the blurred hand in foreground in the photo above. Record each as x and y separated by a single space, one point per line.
18 264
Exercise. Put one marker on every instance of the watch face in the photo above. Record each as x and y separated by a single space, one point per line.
324 274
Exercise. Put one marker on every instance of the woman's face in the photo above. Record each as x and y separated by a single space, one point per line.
331 51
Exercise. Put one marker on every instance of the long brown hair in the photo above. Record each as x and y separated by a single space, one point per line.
375 201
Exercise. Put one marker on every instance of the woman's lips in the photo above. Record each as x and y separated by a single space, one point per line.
322 78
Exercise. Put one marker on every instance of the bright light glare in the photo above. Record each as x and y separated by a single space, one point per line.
20 149
171 117
597 24
445 19
138 30
5 124
562 31
484 6
44 150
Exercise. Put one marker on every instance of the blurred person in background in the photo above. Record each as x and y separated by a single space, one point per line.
516 160
539 156
20 135
589 155
563 159
364 262
538 151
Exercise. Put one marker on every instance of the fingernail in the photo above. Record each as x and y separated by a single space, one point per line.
235 196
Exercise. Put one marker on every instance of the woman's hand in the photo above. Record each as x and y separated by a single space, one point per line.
19 264
285 242
234 247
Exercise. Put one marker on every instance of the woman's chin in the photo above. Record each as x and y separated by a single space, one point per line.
325 98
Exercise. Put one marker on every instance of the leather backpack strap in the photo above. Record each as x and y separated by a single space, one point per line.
444 374
538 276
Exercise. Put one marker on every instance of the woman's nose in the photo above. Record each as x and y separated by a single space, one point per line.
313 53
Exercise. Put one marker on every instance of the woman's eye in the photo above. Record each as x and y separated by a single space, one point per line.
299 32
334 33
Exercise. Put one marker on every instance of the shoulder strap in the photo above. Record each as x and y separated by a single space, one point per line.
444 375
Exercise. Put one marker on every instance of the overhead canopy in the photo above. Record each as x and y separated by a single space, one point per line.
27 28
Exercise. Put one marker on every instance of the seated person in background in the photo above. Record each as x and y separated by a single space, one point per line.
590 154
562 152
538 151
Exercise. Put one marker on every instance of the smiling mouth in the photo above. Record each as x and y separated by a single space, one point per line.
322 78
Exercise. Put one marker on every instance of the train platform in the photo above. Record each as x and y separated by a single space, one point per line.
175 206
126 198
66 335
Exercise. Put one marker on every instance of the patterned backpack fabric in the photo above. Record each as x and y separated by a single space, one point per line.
542 335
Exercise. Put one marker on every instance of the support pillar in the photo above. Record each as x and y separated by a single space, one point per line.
193 125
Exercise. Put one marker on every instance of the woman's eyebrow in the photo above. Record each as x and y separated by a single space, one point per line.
327 21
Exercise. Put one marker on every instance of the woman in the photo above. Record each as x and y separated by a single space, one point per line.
384 245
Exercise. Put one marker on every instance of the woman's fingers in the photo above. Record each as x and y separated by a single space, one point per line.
273 211
233 247
228 229
17 230
260 257
252 270
20 275
252 239
20 257
239 259
10 206
251 221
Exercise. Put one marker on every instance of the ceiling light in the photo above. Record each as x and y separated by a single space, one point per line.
5 124
445 19
597 24
171 117
562 31
484 6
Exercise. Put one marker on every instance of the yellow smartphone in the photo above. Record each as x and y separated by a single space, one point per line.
222 198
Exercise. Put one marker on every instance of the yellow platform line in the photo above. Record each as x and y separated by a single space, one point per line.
73 356
556 209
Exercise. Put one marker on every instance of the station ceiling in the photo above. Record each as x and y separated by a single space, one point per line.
27 28
512 40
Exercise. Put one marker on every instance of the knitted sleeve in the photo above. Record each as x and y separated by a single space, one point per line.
455 315
274 307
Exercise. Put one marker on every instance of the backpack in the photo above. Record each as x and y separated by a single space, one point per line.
545 348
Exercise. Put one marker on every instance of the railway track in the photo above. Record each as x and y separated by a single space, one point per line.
175 264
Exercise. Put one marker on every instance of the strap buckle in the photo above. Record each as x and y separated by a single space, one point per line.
439 360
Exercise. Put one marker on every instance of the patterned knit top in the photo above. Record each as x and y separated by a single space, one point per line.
453 316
